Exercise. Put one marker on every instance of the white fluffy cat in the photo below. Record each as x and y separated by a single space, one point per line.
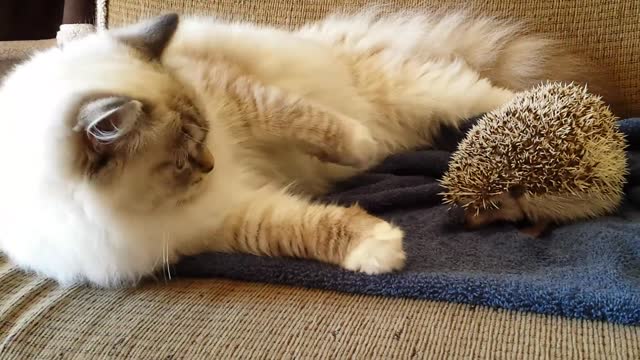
126 149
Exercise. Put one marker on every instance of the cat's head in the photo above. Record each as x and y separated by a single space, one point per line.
112 119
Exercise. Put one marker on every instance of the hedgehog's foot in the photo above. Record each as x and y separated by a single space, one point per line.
536 230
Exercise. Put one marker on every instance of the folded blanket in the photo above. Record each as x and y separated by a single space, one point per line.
589 269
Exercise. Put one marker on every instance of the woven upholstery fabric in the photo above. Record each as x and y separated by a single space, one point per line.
220 319
12 52
606 31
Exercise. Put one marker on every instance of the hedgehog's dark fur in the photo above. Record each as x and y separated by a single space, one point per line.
553 154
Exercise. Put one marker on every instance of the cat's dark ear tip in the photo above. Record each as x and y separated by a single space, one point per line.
169 20
150 36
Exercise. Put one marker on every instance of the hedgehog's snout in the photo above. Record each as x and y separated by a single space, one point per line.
474 219
504 207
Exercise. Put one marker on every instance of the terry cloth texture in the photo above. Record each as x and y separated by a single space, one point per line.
607 31
71 32
587 270
221 319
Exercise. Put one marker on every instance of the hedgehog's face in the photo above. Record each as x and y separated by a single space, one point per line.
503 207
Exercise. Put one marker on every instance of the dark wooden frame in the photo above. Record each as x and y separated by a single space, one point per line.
79 12
40 19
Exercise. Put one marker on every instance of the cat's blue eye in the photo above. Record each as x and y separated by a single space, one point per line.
181 163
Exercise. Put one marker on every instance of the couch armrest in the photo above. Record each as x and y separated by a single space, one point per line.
14 52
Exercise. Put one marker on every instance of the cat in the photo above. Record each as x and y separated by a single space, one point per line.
129 148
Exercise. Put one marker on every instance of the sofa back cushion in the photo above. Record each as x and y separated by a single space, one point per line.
606 31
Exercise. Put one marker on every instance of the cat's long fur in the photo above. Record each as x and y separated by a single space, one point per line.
106 144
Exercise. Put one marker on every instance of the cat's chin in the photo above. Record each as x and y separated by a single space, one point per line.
194 192
186 200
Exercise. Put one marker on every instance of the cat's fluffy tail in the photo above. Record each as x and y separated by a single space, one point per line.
503 51
511 56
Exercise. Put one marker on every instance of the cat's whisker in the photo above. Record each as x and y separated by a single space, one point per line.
199 127
192 138
165 258
164 240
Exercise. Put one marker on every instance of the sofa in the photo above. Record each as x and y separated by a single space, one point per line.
183 318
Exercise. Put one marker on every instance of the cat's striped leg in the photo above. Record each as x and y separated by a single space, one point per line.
269 113
327 134
284 225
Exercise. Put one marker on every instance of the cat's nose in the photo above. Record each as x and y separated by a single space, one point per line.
205 161
207 168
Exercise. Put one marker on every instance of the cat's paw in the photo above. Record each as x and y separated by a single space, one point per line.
359 148
380 251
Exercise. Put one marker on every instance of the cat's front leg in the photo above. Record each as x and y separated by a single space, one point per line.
283 225
353 145
272 113
269 113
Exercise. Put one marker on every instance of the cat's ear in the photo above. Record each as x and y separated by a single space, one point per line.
107 121
150 37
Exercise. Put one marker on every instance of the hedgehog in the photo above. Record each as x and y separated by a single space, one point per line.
552 155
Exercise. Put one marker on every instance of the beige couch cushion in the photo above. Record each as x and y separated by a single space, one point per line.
220 319
607 31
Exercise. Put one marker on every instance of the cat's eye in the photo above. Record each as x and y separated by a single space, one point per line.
181 163
194 132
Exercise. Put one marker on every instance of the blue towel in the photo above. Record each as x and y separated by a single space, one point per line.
588 270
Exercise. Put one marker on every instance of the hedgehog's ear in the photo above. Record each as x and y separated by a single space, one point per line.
150 37
106 122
